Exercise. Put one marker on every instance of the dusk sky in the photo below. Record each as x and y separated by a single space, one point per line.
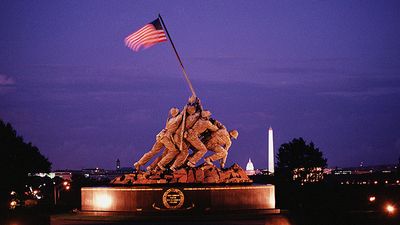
327 71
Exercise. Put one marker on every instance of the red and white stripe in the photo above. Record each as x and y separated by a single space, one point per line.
146 37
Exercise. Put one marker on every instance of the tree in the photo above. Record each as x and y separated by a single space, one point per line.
18 158
300 162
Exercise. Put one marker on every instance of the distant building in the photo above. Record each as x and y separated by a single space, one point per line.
311 175
366 175
250 165
65 175
271 155
327 171
125 170
97 173
250 168
365 169
102 174
118 166
96 170
50 175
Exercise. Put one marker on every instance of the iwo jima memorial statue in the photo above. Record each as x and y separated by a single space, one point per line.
181 178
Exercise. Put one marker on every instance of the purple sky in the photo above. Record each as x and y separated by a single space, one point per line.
325 71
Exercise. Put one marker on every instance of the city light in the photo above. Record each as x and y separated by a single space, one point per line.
372 198
67 188
65 183
390 208
13 204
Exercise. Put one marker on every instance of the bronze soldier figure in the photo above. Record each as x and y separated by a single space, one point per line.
220 142
193 136
191 119
163 139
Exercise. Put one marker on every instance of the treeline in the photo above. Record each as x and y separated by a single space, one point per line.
18 158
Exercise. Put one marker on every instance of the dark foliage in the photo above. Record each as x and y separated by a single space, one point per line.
18 158
298 154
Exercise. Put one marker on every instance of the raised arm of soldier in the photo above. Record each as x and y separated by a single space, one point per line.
195 101
204 123
217 123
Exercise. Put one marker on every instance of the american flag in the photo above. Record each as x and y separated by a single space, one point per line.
147 36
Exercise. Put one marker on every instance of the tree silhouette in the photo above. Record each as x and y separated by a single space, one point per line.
300 162
18 158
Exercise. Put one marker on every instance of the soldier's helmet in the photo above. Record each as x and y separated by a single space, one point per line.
205 114
174 111
234 134
191 109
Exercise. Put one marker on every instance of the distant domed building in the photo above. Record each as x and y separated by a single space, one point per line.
250 168
250 165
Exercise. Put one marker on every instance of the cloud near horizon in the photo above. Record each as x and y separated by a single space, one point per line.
6 80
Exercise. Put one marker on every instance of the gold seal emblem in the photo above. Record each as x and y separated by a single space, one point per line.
173 198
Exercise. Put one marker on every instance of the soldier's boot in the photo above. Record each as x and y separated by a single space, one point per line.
152 168
147 174
161 167
207 161
190 164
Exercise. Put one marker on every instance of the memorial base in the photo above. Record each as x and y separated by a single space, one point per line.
178 198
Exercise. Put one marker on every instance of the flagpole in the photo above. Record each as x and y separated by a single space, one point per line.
179 58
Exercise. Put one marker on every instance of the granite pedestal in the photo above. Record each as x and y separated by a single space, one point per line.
178 198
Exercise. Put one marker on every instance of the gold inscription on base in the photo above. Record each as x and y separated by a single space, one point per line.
173 198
